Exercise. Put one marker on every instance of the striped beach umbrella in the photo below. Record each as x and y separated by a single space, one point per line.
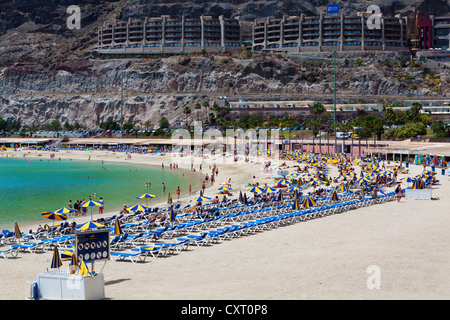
296 206
308 202
138 207
90 225
147 196
280 196
54 216
334 196
173 214
270 190
169 199
343 188
256 190
362 194
66 255
17 233
296 195
224 188
117 228
282 182
56 260
200 199
91 204
83 269
64 210
244 199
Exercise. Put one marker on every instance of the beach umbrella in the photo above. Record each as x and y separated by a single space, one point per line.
407 179
241 199
56 260
90 225
293 189
54 216
308 202
169 199
334 196
17 233
83 269
270 190
280 196
146 196
244 198
200 199
64 210
223 188
282 182
296 205
173 214
362 193
307 175
67 255
117 228
91 204
256 189
138 207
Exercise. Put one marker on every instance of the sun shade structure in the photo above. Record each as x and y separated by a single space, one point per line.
90 225
117 228
56 260
296 206
138 207
308 202
54 216
17 233
257 190
200 199
334 196
64 210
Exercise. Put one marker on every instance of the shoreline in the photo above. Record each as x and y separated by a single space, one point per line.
146 160
103 157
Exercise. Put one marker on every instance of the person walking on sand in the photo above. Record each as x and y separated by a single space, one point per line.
163 187
178 192
398 192
101 207
190 189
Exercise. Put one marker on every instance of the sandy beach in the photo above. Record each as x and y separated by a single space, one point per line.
325 258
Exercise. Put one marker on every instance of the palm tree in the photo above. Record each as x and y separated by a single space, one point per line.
197 106
187 111
206 106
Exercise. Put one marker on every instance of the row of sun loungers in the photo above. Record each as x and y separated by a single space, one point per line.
144 239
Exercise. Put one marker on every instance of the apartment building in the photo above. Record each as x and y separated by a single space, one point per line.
329 33
434 32
166 35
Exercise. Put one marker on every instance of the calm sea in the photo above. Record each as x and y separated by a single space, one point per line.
30 187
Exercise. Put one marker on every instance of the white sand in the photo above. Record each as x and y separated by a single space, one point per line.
323 258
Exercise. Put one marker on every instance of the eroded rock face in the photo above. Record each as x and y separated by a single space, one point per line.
90 92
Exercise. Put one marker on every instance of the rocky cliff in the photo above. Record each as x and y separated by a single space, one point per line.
47 71
90 93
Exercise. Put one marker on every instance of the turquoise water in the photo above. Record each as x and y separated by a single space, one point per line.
30 187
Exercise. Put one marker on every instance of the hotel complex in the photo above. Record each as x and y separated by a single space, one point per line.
289 34
329 33
166 35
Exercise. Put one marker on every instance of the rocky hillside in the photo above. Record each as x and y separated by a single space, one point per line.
90 92
35 32
47 71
